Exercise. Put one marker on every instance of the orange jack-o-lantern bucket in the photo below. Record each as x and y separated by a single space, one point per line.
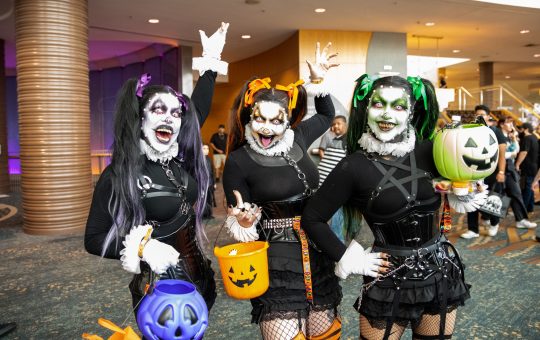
244 269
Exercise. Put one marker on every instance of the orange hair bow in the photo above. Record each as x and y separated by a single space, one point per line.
292 91
254 86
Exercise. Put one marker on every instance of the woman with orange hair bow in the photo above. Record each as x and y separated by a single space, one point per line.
269 167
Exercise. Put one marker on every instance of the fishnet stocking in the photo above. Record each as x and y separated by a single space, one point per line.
429 324
320 321
375 329
281 325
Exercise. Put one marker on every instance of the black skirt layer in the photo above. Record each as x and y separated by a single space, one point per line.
287 291
415 297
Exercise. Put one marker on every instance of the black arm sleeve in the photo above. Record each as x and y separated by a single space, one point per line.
335 191
234 179
203 93
99 220
314 127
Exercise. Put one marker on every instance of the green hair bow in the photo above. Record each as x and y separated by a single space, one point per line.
361 91
419 89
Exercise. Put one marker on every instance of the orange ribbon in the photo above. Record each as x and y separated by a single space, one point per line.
292 91
254 86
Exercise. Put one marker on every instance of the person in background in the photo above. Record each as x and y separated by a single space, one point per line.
511 183
527 166
491 222
332 150
218 142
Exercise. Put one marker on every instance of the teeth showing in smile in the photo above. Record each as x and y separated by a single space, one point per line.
386 126
163 134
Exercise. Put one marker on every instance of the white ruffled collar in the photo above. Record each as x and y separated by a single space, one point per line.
156 156
371 144
282 146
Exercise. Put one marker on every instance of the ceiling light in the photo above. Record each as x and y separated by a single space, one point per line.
524 31
430 24
320 10
507 77
537 55
153 21
456 51
246 36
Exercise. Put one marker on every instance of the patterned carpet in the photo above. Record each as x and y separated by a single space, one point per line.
53 289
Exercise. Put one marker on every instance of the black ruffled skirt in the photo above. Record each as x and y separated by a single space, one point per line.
444 289
287 291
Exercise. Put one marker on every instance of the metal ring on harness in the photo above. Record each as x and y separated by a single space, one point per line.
146 185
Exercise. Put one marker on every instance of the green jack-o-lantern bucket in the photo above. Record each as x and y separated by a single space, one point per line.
467 152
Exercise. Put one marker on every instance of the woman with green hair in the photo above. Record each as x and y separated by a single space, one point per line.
412 274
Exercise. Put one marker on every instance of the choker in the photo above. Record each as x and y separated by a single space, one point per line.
400 149
156 156
282 146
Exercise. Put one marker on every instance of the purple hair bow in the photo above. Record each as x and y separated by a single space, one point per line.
181 98
141 83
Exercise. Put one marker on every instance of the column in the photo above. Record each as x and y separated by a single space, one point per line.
486 79
4 168
54 117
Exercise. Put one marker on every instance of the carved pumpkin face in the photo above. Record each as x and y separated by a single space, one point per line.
174 310
466 153
242 276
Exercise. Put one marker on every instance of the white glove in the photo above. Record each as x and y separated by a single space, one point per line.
212 48
317 70
130 254
242 220
159 256
356 260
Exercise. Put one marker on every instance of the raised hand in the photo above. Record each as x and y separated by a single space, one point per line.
213 45
318 69
245 213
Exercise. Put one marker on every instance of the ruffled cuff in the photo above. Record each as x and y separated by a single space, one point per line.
467 203
317 89
240 233
130 254
203 64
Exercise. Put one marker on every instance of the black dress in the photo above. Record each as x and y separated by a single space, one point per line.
400 206
168 206
273 184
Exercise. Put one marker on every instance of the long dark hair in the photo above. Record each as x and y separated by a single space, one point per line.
125 204
424 122
240 113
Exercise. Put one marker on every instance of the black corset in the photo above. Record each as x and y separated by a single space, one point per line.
413 230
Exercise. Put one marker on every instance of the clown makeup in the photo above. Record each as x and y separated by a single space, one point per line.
161 121
269 121
388 113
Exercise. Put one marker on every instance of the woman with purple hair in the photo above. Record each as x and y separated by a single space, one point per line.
148 203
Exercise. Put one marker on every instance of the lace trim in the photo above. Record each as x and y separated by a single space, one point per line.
282 146
156 156
372 144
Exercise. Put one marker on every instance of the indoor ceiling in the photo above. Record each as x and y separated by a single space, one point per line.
480 31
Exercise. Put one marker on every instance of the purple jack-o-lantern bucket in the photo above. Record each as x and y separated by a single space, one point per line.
174 310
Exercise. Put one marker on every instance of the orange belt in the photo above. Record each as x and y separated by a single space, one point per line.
305 258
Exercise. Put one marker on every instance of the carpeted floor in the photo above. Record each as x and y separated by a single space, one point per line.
53 289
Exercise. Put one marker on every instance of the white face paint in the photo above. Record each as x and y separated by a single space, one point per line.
268 123
388 112
161 121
